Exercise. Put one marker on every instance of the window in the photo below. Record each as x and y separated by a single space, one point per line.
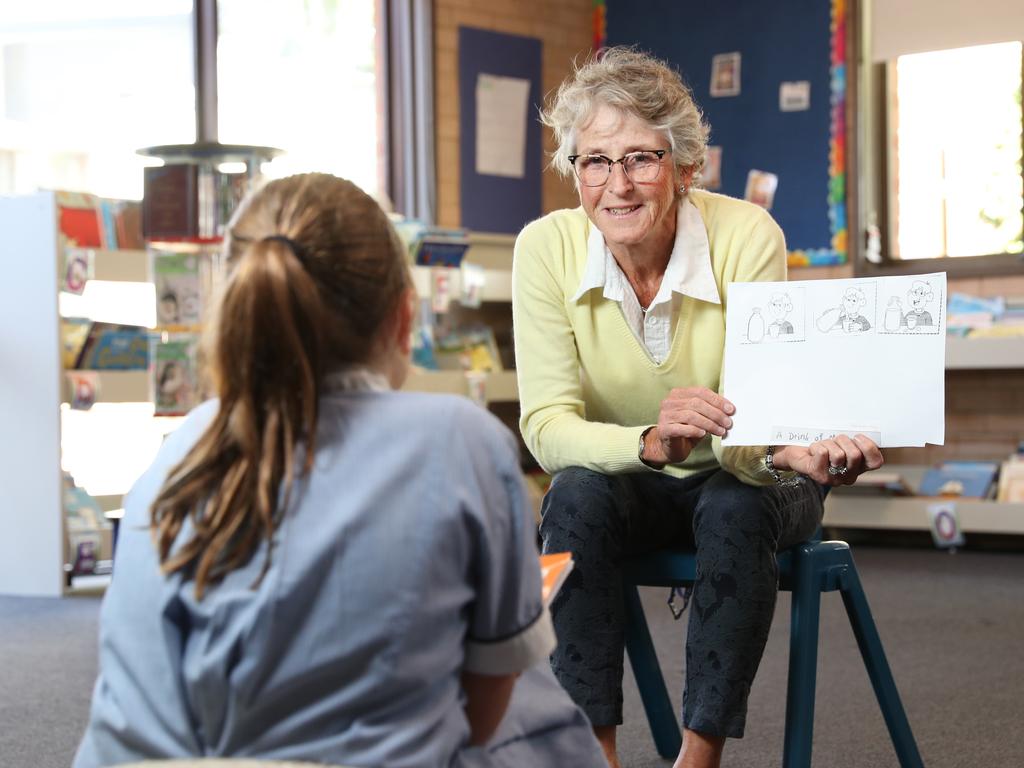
83 85
957 153
301 75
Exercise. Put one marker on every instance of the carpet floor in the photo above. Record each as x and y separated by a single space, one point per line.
952 626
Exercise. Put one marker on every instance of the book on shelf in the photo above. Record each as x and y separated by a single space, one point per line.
78 219
170 202
177 279
1011 480
103 346
88 221
554 570
128 225
175 374
84 529
189 201
960 479
472 348
431 246
73 333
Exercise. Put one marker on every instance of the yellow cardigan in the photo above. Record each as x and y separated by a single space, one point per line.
587 387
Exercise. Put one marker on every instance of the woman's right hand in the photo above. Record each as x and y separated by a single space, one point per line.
687 415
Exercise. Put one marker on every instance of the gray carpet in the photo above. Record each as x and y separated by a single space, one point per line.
953 627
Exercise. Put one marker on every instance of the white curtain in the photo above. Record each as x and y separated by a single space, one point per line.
409 77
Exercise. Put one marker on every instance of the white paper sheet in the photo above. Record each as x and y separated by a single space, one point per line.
812 358
501 118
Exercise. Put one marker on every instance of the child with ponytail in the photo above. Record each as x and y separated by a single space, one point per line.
318 567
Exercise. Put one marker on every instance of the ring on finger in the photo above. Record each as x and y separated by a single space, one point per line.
834 471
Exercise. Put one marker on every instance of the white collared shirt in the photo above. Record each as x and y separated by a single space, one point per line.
688 273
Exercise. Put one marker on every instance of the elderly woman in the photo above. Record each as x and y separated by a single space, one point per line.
620 330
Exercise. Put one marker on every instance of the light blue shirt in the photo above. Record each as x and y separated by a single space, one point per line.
406 557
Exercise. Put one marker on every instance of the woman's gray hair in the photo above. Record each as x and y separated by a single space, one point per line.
637 84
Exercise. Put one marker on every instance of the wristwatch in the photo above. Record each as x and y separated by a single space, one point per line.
769 464
640 451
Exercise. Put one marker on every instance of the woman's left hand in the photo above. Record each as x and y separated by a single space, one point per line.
838 461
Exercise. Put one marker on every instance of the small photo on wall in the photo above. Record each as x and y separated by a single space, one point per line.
795 96
711 173
761 187
725 74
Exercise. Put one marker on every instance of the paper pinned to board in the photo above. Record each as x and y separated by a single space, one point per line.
811 358
502 105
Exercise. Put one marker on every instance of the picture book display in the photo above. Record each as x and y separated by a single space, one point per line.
179 289
175 378
89 345
808 359
84 529
966 479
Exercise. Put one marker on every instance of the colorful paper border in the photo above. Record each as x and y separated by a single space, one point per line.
837 253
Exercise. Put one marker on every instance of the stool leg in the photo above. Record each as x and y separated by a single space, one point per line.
878 669
803 660
643 658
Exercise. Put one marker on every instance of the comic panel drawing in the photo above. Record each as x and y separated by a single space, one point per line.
911 306
849 311
775 315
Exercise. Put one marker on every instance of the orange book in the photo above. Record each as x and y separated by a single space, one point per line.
553 569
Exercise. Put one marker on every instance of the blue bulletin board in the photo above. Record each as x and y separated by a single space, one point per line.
492 203
782 41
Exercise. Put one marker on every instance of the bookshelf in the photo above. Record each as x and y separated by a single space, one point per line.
846 508
493 254
31 452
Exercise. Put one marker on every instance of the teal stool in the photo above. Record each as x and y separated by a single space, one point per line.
807 570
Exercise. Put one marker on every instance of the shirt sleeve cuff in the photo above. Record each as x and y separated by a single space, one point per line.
509 655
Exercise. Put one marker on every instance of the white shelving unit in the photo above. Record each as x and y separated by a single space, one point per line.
33 383
984 353
31 516
911 513
493 253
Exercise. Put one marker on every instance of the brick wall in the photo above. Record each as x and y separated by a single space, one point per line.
564 29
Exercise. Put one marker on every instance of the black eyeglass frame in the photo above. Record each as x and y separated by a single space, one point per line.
659 152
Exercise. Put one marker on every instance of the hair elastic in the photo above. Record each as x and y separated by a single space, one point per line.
298 250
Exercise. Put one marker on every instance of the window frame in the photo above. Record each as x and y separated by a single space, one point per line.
873 189
409 181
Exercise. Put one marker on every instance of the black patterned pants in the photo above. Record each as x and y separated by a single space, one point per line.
736 530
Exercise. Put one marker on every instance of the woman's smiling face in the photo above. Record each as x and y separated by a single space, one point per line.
627 213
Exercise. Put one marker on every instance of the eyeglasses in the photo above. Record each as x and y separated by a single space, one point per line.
640 167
